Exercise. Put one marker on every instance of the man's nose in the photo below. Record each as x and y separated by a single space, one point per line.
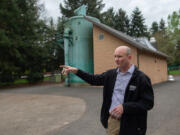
116 58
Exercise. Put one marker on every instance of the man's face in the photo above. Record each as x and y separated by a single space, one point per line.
121 58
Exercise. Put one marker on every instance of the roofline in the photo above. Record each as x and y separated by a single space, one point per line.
125 37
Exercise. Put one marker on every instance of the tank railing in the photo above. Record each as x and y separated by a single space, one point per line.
60 40
70 39
66 36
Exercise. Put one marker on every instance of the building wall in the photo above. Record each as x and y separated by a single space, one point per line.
155 67
104 50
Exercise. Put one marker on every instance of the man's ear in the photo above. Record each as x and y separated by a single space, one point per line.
129 57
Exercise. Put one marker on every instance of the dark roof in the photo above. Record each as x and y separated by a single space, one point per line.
126 38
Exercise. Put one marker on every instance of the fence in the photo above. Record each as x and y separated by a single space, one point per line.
174 67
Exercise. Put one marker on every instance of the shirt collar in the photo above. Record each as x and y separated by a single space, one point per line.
130 70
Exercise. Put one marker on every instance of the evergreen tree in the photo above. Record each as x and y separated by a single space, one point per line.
162 25
94 7
109 17
122 21
60 25
137 26
9 41
20 45
32 39
55 54
154 27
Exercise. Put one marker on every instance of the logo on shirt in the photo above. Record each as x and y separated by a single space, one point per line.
132 87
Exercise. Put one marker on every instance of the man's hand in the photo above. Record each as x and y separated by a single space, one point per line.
67 69
117 112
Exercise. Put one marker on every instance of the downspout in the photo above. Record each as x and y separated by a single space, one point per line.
67 31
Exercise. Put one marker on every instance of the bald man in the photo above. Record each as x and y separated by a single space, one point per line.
127 94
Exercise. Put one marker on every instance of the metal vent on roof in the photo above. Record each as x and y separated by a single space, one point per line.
146 43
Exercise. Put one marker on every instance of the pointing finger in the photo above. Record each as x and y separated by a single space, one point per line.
64 66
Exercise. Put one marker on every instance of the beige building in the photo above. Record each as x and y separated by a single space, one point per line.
145 56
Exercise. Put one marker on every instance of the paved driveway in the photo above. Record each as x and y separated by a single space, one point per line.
56 110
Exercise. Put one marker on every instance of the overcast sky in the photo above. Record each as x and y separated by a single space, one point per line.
152 10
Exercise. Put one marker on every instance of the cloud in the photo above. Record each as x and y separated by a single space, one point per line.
52 8
152 10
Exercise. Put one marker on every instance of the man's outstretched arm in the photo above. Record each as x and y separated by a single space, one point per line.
68 69
89 78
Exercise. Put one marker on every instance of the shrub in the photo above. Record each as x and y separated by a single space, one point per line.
35 77
7 78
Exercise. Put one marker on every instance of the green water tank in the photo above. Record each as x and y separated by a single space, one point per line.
78 46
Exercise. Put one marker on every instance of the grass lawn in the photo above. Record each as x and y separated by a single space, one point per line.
46 79
24 81
174 72
21 81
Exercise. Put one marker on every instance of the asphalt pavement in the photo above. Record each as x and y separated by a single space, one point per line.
76 110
